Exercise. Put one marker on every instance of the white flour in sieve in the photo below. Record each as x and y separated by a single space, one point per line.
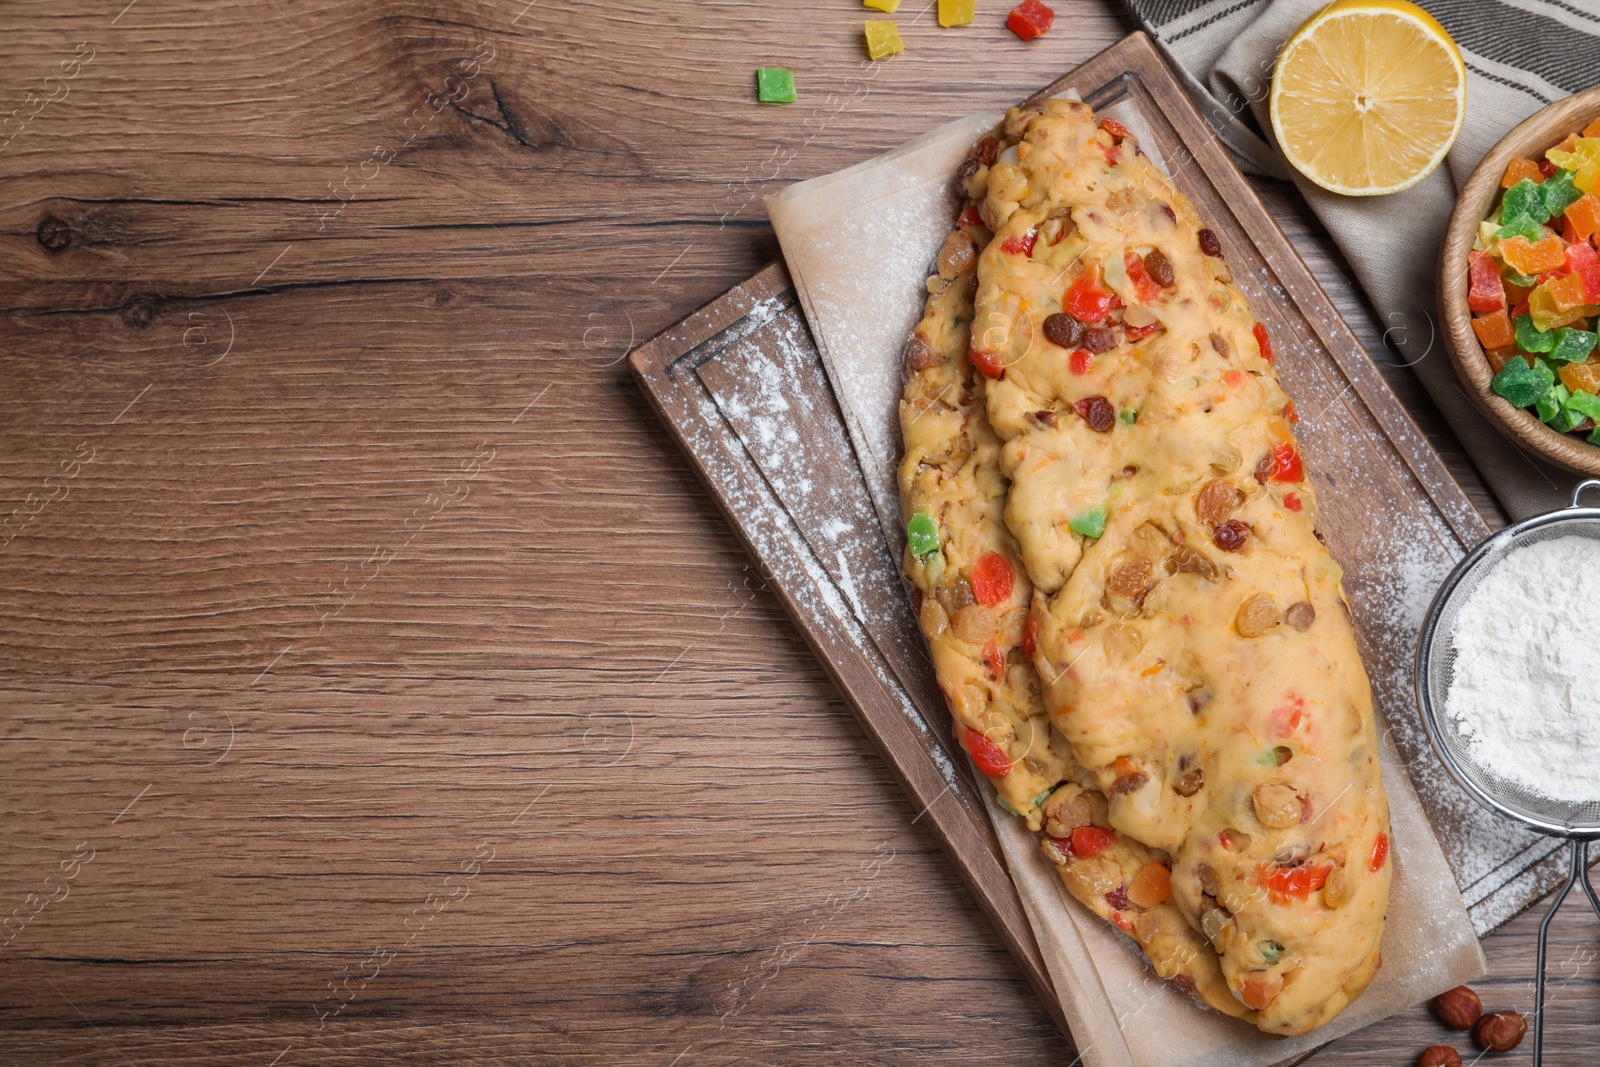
1526 689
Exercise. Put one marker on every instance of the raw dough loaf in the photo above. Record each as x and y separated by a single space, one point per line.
981 641
1196 647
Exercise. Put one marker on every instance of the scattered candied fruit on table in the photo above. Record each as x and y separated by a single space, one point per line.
1030 19
775 86
883 39
889 6
957 12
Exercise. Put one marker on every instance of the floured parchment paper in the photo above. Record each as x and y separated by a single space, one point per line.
860 245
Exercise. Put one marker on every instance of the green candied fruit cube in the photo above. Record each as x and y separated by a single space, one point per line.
1091 523
775 86
1520 384
1584 403
1559 192
1549 406
1128 416
1572 345
1594 438
1530 338
922 534
1524 200
1566 421
1515 225
1001 798
1512 277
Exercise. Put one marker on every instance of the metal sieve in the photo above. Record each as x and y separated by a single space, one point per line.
1577 822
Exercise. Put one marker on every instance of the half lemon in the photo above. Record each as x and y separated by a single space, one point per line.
1368 96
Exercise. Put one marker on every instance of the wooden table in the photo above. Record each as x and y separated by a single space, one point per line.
379 685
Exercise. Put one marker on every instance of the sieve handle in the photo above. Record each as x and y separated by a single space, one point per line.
1592 483
1578 874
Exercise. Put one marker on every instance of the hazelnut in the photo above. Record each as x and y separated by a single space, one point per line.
1500 1031
1439 1056
1458 1008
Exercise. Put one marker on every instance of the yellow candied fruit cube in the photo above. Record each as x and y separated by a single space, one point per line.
957 12
1585 178
1546 313
883 39
891 6
1584 158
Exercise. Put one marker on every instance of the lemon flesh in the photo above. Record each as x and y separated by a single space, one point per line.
1368 96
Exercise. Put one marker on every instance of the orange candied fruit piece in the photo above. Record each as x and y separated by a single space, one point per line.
1576 376
1494 331
1583 214
1259 993
1151 886
1566 291
1593 129
1519 169
1533 257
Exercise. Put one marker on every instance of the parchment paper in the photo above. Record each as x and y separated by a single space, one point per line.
859 245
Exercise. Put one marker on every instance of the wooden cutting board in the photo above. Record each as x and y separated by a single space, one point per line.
741 386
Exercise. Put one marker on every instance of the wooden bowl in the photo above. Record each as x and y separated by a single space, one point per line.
1536 134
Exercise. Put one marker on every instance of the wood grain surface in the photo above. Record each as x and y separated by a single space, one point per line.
379 684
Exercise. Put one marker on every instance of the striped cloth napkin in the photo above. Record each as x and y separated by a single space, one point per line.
1520 55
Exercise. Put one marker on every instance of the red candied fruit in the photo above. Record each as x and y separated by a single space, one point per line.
1030 19
989 757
